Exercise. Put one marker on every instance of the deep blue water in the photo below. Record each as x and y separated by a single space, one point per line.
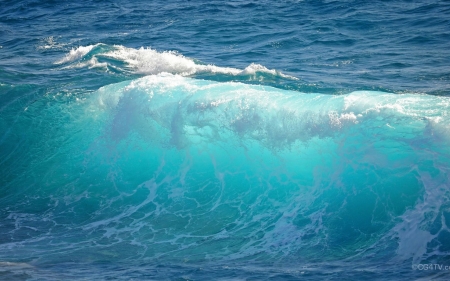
227 140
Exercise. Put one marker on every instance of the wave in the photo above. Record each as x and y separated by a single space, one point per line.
149 61
179 169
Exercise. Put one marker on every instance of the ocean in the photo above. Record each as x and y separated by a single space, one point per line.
224 140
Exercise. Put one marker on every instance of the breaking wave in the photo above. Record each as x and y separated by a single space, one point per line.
180 169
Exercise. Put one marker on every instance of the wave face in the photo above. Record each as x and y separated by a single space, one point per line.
180 170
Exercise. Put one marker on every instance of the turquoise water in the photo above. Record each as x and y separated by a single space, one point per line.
224 141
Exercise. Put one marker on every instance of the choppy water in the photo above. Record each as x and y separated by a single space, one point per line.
236 140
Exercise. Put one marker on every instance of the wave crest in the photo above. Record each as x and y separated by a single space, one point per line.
149 61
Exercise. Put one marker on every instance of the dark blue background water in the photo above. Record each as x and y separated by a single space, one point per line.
330 45
324 190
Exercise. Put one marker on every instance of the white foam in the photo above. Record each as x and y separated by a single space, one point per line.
253 68
149 61
338 120
76 54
